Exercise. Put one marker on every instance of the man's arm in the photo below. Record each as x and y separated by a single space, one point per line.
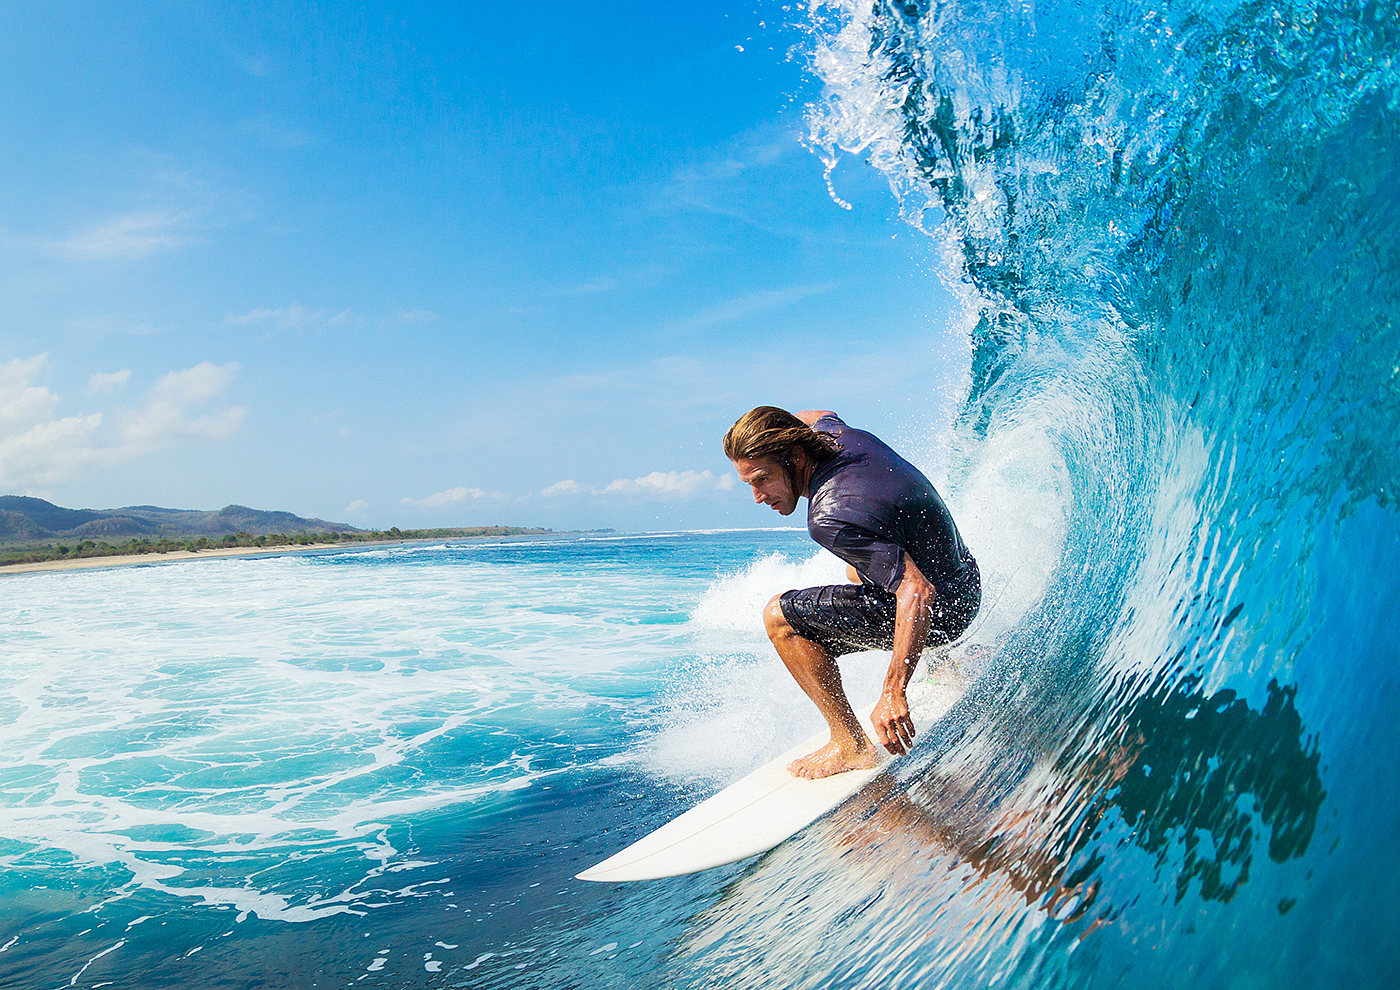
810 416
894 729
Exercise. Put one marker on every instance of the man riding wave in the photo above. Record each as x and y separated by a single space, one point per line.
913 582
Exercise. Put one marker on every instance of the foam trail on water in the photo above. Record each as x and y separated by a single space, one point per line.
286 706
731 706
734 603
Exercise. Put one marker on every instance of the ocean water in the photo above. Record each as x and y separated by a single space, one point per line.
1176 227
377 765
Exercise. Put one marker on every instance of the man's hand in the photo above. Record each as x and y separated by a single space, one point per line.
894 729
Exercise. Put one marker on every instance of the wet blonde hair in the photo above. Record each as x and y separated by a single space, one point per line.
770 432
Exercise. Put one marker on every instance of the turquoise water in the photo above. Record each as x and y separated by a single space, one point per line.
1177 230
382 764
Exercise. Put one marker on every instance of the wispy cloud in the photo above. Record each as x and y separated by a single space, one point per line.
293 316
603 283
117 325
751 180
125 238
566 487
38 447
750 305
453 495
308 319
704 185
742 182
275 132
356 506
660 484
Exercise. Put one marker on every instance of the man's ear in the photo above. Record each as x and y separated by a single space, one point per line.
798 457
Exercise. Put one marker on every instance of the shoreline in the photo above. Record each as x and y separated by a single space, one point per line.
184 556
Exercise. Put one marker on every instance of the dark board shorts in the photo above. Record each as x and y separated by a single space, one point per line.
848 618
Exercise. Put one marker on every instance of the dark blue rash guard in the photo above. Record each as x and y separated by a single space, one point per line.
869 506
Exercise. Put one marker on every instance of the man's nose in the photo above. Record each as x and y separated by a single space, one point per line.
757 496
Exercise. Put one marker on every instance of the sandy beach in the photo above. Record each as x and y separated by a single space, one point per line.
177 556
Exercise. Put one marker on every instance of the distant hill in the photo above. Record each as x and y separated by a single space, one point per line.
25 519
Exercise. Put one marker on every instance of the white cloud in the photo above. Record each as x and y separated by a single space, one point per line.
682 484
204 381
34 446
665 484
104 381
293 316
566 487
21 402
452 495
356 506
164 415
38 448
125 238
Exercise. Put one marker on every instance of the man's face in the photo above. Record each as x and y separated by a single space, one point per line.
770 483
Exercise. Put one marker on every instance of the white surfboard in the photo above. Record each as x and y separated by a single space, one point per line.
756 813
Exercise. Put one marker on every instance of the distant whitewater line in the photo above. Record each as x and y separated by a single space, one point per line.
102 554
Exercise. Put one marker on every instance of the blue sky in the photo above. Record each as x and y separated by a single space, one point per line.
435 264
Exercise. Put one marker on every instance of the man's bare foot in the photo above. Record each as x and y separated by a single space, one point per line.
833 759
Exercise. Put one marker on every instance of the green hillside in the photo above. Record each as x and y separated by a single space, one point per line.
33 530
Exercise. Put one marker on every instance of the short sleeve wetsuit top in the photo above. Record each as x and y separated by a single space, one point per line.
869 506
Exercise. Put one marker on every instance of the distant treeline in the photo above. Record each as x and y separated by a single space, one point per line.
143 545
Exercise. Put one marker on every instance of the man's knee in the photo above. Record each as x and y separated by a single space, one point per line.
774 622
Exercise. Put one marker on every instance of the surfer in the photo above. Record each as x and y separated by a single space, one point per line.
913 582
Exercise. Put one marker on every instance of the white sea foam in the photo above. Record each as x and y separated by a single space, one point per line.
734 603
733 705
1011 503
177 722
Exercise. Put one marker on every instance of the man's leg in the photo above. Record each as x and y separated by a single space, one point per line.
818 675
